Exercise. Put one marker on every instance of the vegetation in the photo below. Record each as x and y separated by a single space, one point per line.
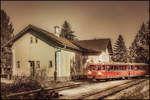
120 51
66 31
139 49
20 84
6 35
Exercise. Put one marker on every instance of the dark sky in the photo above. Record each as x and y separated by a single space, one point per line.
89 19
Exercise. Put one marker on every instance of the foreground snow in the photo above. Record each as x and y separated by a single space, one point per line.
72 93
140 91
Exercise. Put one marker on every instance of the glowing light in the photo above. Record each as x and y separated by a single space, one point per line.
99 73
104 57
89 72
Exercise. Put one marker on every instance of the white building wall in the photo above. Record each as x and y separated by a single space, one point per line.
66 62
24 50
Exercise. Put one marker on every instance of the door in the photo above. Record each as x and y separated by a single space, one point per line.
32 68
131 72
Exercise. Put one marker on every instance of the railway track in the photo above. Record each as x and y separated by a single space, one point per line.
92 95
44 90
110 91
103 93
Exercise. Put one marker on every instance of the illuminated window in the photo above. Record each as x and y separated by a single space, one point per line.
38 64
18 64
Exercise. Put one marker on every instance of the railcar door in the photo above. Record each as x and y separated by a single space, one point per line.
109 71
116 71
123 72
131 70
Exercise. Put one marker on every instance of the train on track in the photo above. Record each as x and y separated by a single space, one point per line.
116 70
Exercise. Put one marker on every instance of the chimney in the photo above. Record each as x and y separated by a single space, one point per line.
57 30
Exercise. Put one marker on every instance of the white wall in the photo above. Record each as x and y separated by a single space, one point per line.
24 51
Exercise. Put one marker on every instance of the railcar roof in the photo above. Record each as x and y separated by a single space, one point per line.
120 64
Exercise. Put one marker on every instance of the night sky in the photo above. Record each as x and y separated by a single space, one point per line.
89 19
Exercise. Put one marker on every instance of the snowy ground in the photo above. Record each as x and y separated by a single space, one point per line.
6 81
89 88
140 91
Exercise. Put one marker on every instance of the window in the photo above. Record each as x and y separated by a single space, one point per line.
122 67
99 67
36 40
110 68
130 67
91 67
31 39
102 67
136 67
116 67
50 63
18 64
38 64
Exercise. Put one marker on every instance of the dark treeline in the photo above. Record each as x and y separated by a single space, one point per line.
6 34
138 51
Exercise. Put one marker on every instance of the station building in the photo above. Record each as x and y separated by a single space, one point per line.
38 52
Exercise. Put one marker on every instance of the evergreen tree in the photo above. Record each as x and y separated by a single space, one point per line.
139 50
120 51
6 35
66 31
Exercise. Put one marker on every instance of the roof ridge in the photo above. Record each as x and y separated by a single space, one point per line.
96 39
47 33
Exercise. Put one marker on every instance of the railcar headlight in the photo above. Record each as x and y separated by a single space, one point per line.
99 73
89 72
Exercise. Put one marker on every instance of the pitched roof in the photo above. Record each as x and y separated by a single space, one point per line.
48 35
97 45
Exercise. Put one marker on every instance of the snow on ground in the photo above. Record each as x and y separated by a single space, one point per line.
140 91
91 87
7 81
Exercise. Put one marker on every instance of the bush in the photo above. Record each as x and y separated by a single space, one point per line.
20 84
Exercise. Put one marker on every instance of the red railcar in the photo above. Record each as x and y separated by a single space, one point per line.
107 71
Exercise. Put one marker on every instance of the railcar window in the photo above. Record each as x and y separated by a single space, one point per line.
96 67
116 68
102 67
146 67
92 67
136 68
99 67
122 67
130 67
141 67
110 68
